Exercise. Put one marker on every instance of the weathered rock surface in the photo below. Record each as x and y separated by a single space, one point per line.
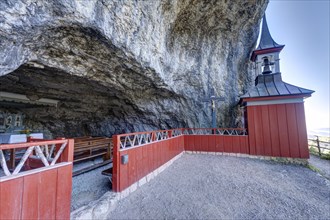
127 65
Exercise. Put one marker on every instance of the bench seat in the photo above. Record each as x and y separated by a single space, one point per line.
86 148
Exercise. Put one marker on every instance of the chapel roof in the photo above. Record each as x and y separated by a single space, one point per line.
268 85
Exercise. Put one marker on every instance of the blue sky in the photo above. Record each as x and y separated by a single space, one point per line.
303 26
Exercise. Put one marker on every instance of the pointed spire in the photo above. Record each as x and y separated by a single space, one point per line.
269 80
266 40
266 44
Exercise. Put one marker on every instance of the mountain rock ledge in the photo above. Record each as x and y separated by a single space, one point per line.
127 65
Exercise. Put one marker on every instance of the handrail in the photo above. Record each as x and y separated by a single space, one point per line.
48 152
141 138
144 132
136 139
29 144
319 144
214 128
215 131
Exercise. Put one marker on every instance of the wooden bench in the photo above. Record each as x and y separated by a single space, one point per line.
108 173
86 148
78 139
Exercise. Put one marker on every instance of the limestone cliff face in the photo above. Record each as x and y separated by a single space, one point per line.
124 65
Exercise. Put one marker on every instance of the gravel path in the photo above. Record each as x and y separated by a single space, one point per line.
221 187
89 186
321 164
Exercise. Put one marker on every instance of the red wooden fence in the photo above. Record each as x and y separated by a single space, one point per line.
217 143
268 136
146 152
43 192
227 140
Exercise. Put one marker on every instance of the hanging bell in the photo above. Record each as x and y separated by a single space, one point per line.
266 65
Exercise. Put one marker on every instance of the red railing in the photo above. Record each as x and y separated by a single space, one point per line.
39 186
228 140
214 131
140 138
146 151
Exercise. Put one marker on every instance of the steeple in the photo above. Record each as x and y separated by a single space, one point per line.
266 40
268 82
266 55
267 45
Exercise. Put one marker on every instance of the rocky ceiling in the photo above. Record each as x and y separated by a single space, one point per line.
119 66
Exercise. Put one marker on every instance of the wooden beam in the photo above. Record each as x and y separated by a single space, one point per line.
78 172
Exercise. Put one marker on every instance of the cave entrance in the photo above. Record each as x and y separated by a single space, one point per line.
44 102
48 103
61 105
98 88
102 90
79 107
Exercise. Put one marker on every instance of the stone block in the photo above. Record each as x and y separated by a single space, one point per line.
82 214
142 181
162 168
101 209
156 172
150 176
133 187
124 193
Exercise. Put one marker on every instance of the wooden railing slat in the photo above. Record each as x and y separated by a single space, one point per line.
4 164
42 156
59 153
23 159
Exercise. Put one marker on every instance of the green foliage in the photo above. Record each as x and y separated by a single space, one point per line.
313 168
314 151
326 156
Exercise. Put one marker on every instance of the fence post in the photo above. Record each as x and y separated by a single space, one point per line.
318 144
68 153
170 133
116 164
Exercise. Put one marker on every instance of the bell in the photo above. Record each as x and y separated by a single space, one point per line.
266 65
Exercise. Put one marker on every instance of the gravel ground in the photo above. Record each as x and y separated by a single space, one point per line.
221 187
321 164
89 186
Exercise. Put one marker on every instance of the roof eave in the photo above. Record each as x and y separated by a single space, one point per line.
265 51
301 95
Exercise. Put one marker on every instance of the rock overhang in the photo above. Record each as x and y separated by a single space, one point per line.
154 60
